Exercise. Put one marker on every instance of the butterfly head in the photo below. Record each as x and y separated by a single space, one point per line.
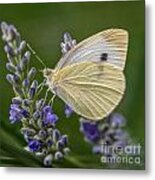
48 72
50 75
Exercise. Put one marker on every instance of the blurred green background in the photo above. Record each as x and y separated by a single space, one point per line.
42 25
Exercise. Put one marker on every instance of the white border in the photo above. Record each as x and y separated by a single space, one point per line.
46 174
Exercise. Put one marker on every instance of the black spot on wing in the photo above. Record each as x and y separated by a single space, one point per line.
104 56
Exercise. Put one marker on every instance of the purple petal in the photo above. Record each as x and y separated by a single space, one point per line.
34 145
51 119
90 130
68 111
117 120
47 109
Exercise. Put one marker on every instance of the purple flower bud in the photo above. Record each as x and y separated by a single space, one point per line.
4 28
10 67
68 111
32 73
26 83
36 115
68 46
42 133
74 42
17 100
22 46
103 127
12 33
50 131
48 160
63 51
33 89
66 151
18 39
60 145
34 145
28 131
44 151
58 155
34 84
18 68
25 60
49 142
27 102
27 55
56 135
9 32
10 79
40 123
64 139
9 50
117 120
39 103
25 113
16 78
96 149
67 37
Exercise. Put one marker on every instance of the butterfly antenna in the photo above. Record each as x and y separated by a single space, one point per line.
35 54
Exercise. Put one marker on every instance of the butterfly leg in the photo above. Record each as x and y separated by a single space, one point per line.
46 95
41 86
51 101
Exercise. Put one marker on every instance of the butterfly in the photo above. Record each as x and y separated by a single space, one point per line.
89 77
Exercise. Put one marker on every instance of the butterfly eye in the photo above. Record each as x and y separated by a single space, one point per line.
47 72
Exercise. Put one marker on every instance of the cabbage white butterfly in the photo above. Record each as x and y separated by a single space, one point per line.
90 78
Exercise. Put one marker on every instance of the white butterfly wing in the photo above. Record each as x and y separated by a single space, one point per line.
93 90
109 45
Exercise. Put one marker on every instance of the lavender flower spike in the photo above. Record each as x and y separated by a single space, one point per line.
68 43
38 120
107 132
